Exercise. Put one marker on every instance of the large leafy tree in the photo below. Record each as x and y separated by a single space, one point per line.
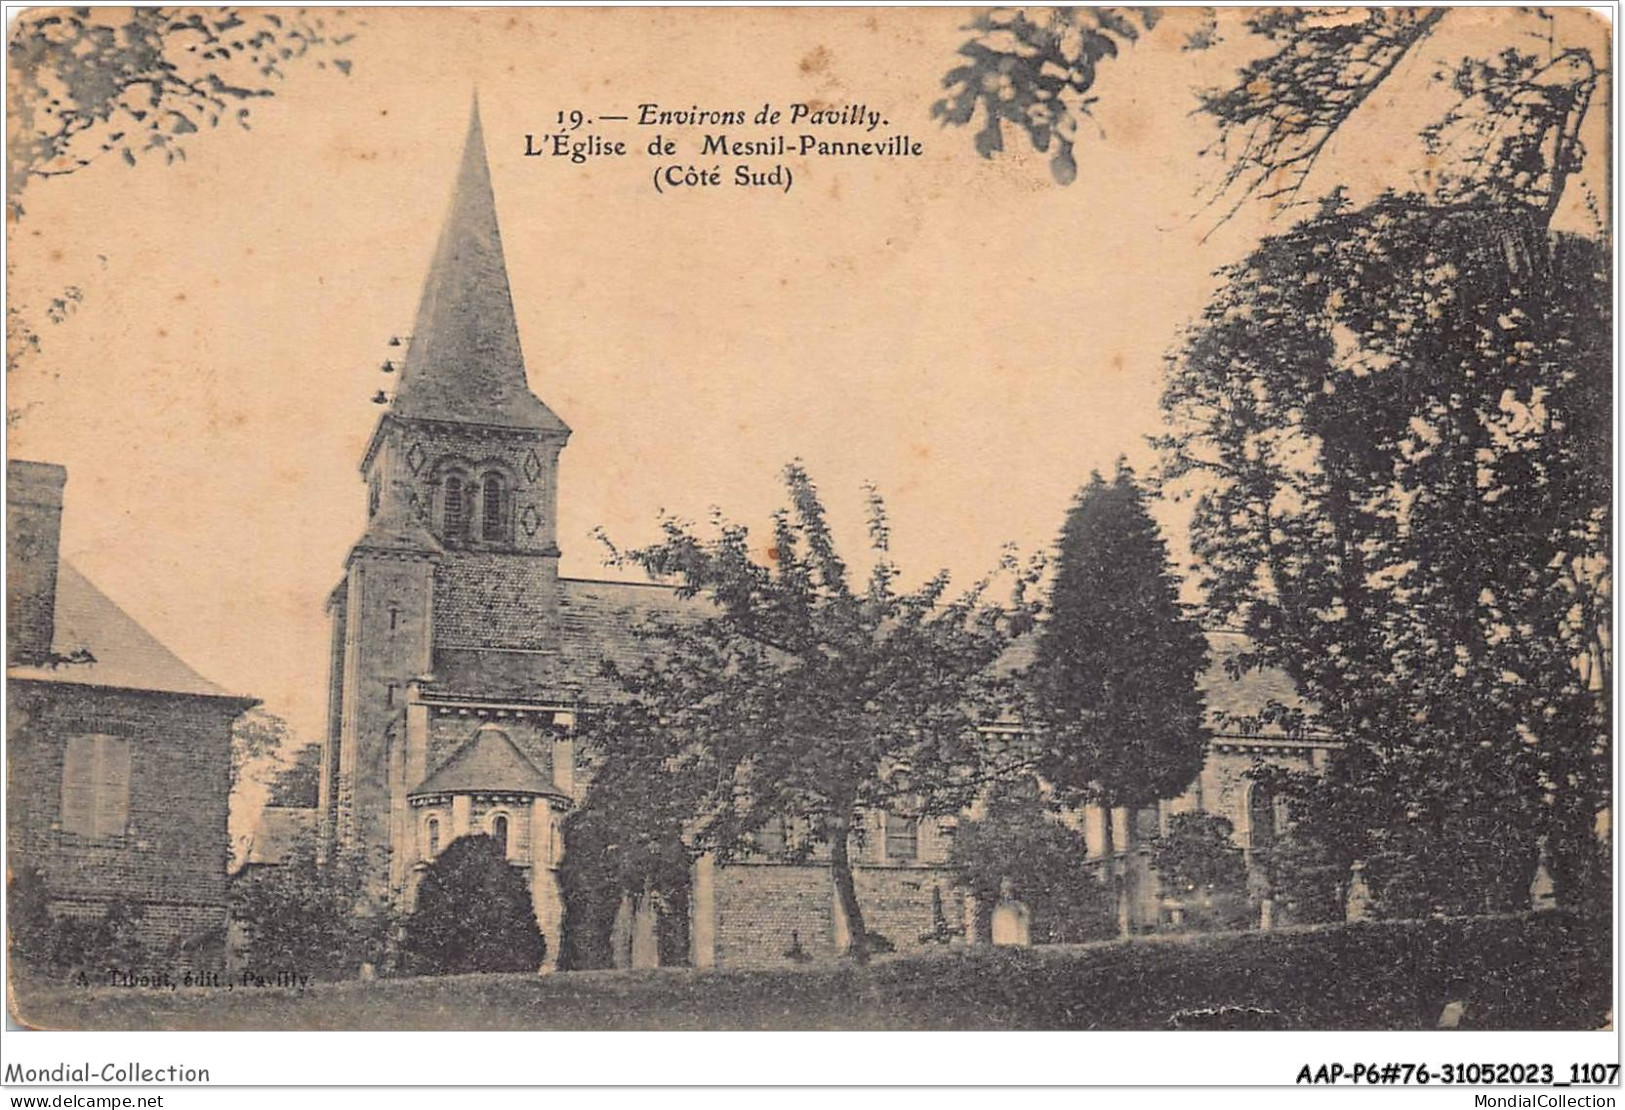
1509 127
802 694
87 84
1395 419
134 82
1114 682
1395 422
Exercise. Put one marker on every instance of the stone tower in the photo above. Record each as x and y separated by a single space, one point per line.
457 566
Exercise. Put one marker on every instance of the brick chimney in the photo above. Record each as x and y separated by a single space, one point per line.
33 534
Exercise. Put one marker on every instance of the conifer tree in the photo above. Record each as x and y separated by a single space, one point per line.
1114 683
473 914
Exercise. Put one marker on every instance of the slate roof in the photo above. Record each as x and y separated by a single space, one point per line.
395 527
489 761
281 829
126 655
1226 697
464 361
1246 696
599 621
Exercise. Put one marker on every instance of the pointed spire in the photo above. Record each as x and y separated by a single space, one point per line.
464 363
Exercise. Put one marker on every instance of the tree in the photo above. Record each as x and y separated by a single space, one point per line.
473 914
258 738
1119 716
1393 424
1199 863
313 917
1441 450
1019 839
84 83
625 839
299 783
1511 129
797 695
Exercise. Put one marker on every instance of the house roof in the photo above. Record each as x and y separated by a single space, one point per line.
489 761
281 830
464 361
120 652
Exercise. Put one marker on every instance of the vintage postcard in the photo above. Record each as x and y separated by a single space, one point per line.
812 519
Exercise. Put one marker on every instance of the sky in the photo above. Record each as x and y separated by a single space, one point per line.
966 334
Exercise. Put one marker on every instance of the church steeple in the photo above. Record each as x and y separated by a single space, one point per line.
464 363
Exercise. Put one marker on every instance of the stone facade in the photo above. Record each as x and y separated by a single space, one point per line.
459 654
759 911
118 754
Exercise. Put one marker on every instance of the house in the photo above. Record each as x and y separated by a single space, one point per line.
118 753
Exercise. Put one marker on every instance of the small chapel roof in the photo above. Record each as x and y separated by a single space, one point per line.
488 762
464 361
115 650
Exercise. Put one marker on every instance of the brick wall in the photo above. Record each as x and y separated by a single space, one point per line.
172 857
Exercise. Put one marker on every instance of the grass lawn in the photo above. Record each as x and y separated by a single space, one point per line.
1547 971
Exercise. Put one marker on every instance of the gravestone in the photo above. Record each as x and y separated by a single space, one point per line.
1012 925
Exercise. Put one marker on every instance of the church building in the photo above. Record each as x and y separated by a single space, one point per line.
461 658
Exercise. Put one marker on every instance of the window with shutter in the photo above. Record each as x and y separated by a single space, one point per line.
96 786
79 786
112 786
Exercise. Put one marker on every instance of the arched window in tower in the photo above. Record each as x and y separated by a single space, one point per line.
499 831
431 838
494 508
454 510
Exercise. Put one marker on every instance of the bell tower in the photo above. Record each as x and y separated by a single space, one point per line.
460 550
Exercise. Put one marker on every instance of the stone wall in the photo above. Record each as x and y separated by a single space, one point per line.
418 453
387 618
762 909
171 858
